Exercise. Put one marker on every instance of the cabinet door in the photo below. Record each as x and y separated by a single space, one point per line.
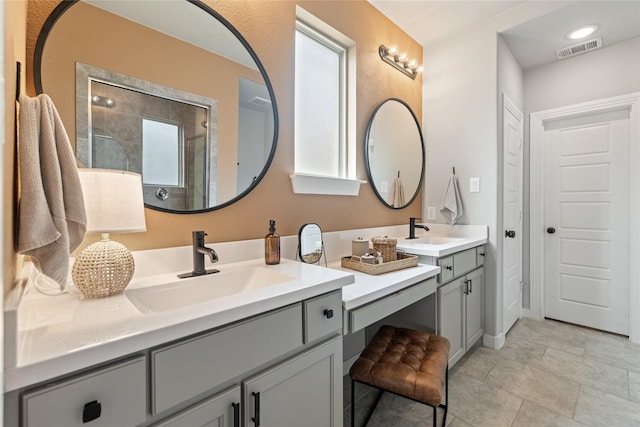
475 306
303 391
221 410
451 320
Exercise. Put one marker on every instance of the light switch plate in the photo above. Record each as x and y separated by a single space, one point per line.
384 187
474 185
431 213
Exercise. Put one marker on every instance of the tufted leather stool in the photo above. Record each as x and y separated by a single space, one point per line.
409 363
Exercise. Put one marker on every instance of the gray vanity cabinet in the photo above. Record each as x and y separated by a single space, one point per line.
460 300
279 368
461 312
298 392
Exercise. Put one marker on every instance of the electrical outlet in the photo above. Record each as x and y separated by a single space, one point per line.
431 213
474 185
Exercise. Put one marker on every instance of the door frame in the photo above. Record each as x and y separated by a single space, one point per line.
536 191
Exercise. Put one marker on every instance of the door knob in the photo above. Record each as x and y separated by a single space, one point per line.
510 234
551 230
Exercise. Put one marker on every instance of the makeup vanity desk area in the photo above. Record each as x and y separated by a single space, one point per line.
373 297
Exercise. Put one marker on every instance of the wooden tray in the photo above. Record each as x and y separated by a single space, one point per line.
403 261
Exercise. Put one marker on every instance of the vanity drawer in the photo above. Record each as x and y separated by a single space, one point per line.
446 269
464 262
322 315
362 317
192 367
119 391
480 255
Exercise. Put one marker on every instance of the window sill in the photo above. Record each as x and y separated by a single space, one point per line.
316 184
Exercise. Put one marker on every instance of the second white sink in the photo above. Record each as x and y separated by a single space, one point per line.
194 290
436 240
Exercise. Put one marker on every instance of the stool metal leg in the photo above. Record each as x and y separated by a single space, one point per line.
435 416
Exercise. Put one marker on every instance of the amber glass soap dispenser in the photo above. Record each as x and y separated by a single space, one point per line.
272 245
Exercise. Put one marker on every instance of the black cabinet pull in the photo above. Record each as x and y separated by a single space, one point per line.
256 408
236 414
551 230
328 313
510 234
481 254
91 411
449 267
470 286
466 287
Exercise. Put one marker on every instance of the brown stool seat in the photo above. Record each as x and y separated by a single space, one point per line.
410 363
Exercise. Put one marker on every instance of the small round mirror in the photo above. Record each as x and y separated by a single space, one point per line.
310 244
394 154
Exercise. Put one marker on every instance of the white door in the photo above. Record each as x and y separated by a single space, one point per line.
587 220
512 214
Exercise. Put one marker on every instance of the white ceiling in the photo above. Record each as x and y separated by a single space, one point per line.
532 43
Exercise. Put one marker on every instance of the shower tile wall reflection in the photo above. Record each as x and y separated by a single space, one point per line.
117 115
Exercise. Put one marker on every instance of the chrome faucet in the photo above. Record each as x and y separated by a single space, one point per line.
199 251
413 226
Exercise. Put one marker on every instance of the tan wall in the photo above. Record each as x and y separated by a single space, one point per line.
15 17
269 27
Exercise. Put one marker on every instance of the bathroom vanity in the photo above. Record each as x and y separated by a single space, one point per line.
240 359
459 300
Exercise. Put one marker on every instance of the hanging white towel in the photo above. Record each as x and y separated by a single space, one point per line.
51 217
396 194
451 206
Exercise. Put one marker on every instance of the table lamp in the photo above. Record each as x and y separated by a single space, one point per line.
114 204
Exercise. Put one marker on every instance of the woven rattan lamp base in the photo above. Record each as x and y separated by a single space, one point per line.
102 269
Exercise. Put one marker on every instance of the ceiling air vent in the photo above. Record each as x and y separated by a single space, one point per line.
577 49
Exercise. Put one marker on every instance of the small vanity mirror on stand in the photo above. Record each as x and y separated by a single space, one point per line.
310 244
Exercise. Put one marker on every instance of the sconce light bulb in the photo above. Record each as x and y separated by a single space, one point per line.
109 101
412 64
393 50
420 68
402 57
95 98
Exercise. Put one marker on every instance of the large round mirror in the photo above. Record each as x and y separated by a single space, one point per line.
394 153
168 89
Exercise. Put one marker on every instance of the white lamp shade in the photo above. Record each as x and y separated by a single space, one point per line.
113 200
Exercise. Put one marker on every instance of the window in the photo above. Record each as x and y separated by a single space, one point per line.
161 153
320 104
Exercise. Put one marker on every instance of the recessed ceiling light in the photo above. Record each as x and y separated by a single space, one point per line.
582 32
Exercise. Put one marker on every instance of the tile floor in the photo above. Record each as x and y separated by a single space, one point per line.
547 374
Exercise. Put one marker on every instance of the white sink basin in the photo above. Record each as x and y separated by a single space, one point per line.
435 240
194 290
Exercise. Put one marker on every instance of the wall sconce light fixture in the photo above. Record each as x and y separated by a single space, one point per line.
103 101
400 61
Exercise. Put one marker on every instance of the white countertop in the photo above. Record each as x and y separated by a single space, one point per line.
60 334
368 288
467 236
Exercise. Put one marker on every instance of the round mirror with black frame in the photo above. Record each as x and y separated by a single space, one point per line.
394 154
310 244
170 90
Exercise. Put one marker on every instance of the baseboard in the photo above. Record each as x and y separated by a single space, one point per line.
494 342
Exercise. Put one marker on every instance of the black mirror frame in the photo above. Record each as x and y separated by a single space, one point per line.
59 10
299 250
366 154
